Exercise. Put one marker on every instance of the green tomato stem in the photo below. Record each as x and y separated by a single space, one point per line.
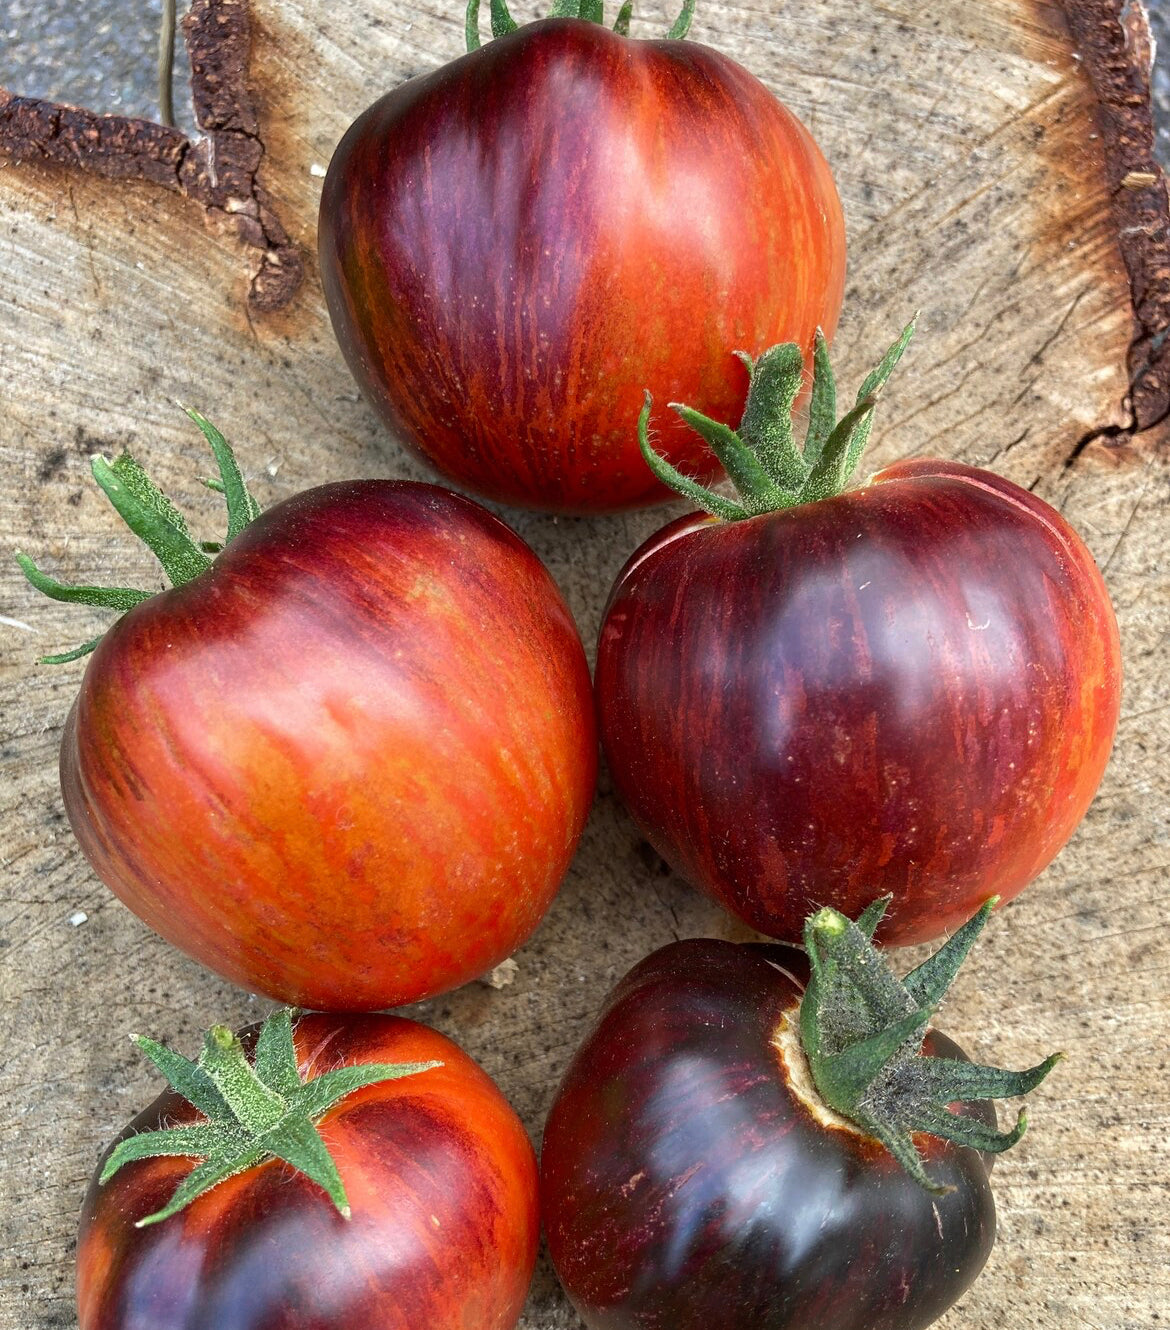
160 525
763 462
861 1029
682 24
589 11
253 1111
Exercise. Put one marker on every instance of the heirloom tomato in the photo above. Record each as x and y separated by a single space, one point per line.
514 246
724 1152
346 763
361 1172
820 697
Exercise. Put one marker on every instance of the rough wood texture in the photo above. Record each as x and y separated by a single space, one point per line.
970 144
218 172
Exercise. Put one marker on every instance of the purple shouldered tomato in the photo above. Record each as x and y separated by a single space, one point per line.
514 246
814 696
730 1147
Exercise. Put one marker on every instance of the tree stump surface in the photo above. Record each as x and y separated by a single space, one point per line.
995 164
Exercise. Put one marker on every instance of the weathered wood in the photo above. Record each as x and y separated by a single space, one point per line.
218 171
995 177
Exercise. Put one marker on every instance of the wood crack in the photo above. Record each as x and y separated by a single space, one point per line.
220 171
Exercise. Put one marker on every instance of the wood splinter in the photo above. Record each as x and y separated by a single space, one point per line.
220 171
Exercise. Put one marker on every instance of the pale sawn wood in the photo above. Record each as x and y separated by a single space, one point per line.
967 146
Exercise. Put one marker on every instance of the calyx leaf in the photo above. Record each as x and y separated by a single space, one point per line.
767 468
590 11
861 1029
253 1111
158 523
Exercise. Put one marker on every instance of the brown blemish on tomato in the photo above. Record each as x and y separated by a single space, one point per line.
799 1077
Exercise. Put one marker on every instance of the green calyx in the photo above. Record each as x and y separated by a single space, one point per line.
253 1111
592 11
152 517
761 458
862 1029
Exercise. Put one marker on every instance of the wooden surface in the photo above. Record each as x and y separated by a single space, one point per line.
968 143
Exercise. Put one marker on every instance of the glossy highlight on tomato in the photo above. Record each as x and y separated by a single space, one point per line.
686 1183
440 1175
911 687
516 246
347 765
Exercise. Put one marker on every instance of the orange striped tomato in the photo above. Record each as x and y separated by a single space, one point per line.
348 764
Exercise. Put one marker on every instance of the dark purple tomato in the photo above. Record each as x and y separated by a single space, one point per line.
440 1175
686 1185
516 246
910 688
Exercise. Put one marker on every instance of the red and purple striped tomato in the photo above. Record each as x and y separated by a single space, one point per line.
440 1175
516 246
911 688
348 765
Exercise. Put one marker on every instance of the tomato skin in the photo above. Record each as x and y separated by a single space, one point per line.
684 1185
439 1172
348 766
910 688
518 245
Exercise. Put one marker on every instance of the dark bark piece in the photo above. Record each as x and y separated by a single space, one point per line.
220 171
116 147
1113 37
218 34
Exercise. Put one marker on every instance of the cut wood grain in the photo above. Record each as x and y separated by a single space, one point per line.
994 160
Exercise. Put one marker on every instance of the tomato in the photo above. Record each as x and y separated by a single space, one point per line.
347 763
515 246
911 687
436 1171
692 1175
